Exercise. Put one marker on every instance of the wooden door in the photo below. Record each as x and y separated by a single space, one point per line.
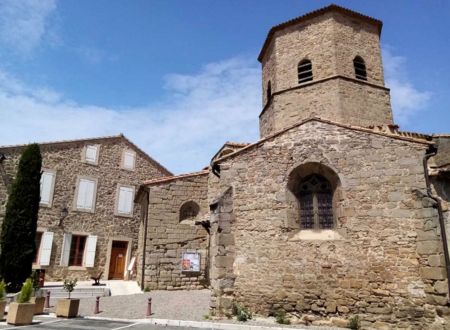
118 258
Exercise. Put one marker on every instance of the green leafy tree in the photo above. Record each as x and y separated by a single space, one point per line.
17 240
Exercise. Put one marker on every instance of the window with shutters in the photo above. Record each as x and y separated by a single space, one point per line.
360 68
85 194
128 159
125 200
47 187
305 72
189 210
91 153
77 250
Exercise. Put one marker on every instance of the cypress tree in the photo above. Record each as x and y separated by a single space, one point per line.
17 240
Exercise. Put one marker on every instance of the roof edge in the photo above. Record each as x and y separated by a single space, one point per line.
171 178
325 121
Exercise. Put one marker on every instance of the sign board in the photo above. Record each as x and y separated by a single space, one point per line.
190 262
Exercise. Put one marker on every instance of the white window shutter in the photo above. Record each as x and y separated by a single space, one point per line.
47 179
65 252
45 250
89 197
89 251
81 194
85 198
125 204
129 159
91 154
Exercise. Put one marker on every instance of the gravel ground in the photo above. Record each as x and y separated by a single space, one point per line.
177 305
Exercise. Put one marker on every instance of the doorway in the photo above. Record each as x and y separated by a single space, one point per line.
118 260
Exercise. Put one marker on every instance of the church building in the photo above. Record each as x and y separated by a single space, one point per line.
333 212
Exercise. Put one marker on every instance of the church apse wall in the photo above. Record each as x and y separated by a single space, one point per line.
375 248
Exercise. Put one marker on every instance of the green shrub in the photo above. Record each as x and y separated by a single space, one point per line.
17 239
69 285
280 316
354 323
26 292
242 313
147 289
2 290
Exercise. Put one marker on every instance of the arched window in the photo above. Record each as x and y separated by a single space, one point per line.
189 210
269 91
305 71
315 196
360 68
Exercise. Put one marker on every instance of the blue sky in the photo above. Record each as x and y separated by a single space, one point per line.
180 78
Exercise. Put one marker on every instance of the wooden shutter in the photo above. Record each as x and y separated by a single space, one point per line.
47 180
85 198
89 251
45 250
65 251
91 154
129 158
125 204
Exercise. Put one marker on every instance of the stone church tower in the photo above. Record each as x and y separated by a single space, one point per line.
326 64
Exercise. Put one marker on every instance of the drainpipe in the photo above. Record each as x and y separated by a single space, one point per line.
144 248
432 151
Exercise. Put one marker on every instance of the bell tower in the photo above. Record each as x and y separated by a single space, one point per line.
327 64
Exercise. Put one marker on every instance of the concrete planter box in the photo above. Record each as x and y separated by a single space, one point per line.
2 309
67 307
20 314
39 303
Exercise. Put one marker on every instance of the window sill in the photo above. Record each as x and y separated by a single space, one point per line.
127 169
77 268
84 210
37 266
123 215
317 235
47 206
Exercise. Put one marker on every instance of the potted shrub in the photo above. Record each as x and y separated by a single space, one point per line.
68 307
2 299
38 297
22 311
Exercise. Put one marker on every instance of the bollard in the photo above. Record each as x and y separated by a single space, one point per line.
149 307
97 305
47 299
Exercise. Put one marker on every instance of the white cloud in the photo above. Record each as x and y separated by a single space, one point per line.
24 23
407 100
202 111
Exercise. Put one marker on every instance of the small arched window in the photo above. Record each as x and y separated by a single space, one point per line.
269 91
189 210
315 196
360 68
305 71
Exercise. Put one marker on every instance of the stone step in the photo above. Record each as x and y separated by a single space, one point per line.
83 292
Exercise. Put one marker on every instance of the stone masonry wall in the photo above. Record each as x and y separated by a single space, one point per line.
330 42
65 159
168 238
383 261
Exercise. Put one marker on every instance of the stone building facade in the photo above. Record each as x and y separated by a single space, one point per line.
334 212
176 212
83 232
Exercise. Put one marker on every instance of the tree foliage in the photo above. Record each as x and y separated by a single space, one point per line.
17 240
